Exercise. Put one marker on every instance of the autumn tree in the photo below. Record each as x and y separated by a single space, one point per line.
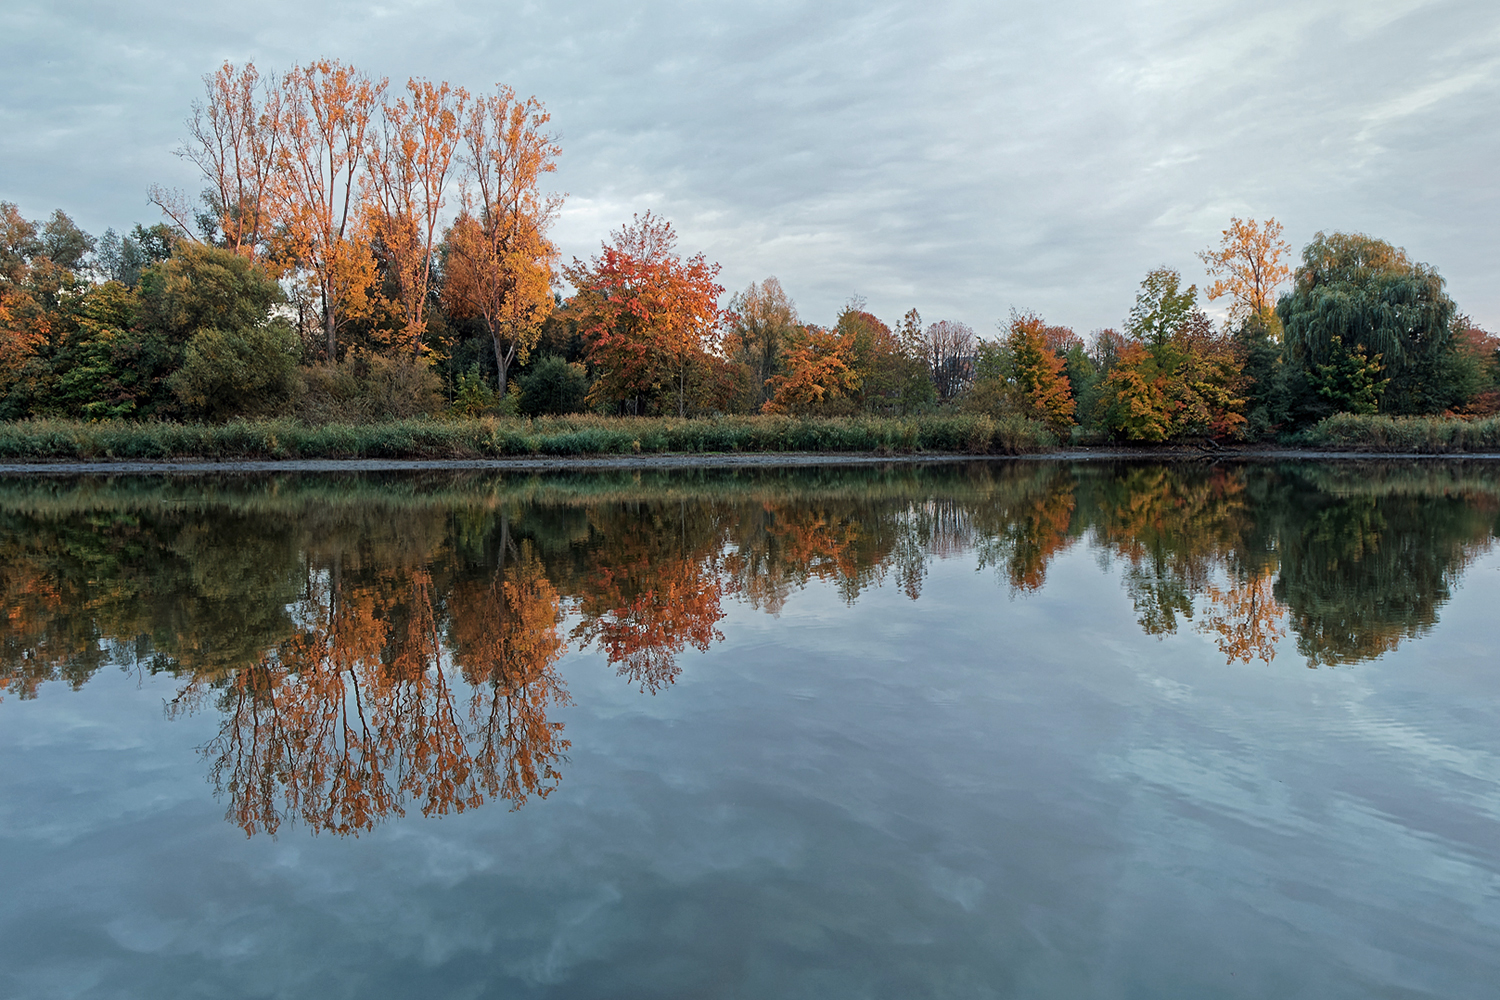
652 317
1483 349
761 324
498 259
892 375
1247 267
42 292
326 113
1174 374
817 373
412 156
234 138
1039 375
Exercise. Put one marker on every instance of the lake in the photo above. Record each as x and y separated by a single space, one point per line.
990 729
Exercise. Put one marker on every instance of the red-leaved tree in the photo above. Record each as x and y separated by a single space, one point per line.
650 317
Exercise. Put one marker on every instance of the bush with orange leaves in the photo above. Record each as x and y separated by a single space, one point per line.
1040 376
819 374
1188 386
1175 376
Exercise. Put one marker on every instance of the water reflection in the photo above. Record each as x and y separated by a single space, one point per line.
374 645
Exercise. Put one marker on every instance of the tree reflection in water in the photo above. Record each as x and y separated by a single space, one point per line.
378 645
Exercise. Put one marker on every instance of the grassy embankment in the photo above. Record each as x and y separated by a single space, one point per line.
1403 435
69 440
59 440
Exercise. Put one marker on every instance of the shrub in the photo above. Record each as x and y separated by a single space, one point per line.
237 373
473 396
553 386
1422 435
368 388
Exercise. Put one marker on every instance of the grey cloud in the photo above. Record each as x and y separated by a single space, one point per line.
962 159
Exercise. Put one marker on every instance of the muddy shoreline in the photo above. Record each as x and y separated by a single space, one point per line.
544 463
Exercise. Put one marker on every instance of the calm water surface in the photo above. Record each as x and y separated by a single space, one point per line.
992 730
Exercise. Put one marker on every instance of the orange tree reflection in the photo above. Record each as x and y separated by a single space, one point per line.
386 651
360 713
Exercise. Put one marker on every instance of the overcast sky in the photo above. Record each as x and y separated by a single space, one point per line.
960 158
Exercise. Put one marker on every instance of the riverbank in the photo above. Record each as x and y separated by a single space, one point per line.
704 460
490 438
591 442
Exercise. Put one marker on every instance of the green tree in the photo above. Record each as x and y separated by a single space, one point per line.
124 258
552 385
215 307
63 243
762 324
1370 296
1351 380
205 287
1257 345
1161 309
251 371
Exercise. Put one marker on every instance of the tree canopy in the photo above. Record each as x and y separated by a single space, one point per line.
1357 293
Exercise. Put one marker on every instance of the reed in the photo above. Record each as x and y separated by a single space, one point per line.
52 440
1408 435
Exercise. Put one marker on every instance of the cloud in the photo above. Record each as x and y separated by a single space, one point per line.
961 159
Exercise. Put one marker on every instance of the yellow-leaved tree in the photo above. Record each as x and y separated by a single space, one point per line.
499 260
1247 267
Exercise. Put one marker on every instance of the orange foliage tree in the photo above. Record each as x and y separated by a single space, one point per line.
1247 267
499 260
327 109
411 158
818 371
1039 374
235 138
650 317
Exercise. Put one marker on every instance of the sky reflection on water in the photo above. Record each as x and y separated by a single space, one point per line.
913 779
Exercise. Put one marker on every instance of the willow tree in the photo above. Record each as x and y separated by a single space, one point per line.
1357 293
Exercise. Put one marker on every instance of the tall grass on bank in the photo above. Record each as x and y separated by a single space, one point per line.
53 440
1411 435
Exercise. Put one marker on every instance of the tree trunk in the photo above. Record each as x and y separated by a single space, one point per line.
329 329
502 362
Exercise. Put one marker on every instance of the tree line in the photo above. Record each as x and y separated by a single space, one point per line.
361 252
